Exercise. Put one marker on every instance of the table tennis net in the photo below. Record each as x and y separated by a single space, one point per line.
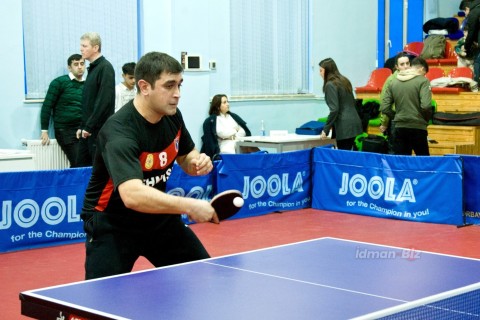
462 303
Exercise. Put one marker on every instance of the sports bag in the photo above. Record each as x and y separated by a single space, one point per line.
434 47
374 143
457 119
311 128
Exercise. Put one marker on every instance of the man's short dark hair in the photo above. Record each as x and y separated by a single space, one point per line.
418 61
129 68
151 66
73 57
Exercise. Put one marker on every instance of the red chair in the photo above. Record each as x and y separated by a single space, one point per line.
450 51
414 47
434 73
450 57
461 72
376 81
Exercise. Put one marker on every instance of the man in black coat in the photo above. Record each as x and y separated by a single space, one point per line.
98 100
472 40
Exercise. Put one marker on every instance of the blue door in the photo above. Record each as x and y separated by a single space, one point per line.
399 22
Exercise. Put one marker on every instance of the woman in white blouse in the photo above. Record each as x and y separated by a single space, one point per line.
221 128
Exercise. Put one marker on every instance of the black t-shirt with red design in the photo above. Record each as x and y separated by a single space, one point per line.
129 147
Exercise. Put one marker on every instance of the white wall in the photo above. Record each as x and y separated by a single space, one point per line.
447 9
345 31
17 120
441 8
202 27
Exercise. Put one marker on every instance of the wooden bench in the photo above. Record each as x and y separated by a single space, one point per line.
367 95
453 101
450 139
454 139
457 102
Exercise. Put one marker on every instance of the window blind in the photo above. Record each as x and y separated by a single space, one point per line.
52 31
269 47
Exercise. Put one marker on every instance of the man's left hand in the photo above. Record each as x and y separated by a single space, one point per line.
202 165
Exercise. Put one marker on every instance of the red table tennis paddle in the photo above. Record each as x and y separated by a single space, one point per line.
227 203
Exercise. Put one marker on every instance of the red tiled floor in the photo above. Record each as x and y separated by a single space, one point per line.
32 269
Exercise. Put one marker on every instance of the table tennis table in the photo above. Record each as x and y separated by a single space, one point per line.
325 278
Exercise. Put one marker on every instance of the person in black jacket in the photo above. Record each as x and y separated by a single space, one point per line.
98 100
222 128
472 39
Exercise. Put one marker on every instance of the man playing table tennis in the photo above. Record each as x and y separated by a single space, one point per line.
126 212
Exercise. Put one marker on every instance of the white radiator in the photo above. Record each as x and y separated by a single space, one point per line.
47 157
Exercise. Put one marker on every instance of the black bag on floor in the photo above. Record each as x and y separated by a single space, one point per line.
457 119
375 143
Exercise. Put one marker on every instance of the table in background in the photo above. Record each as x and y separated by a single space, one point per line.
282 143
16 160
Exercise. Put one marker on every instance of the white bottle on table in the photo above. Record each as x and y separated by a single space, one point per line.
262 129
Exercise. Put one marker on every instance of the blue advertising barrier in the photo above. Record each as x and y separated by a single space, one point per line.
41 208
199 187
425 189
471 188
268 182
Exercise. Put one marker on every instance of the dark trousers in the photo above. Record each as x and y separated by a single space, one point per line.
476 67
407 140
86 151
115 241
67 139
390 132
346 144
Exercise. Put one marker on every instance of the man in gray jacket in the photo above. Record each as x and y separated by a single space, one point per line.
410 92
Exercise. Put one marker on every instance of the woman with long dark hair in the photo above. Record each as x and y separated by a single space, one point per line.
343 118
222 128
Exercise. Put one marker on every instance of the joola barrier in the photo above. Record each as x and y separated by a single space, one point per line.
42 208
424 189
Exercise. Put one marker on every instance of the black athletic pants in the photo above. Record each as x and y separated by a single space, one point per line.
115 241
406 140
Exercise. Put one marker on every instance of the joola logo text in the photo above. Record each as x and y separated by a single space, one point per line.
273 185
376 188
27 212
196 192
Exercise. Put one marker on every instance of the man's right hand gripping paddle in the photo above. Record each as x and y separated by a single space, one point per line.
227 204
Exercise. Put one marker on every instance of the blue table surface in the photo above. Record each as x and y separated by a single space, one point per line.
320 279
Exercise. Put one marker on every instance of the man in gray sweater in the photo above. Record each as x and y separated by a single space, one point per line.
411 93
